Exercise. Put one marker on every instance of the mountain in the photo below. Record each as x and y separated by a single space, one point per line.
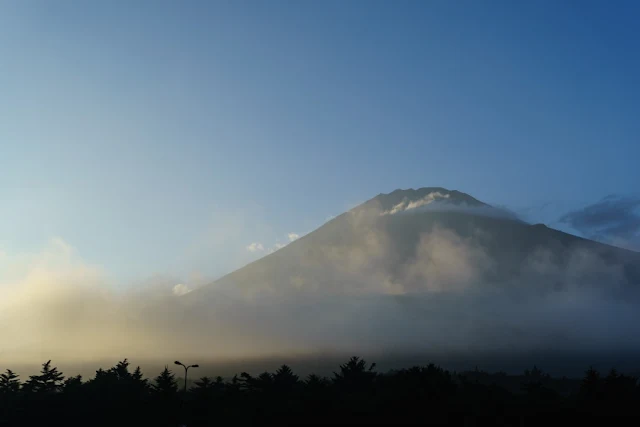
420 271
413 272
431 239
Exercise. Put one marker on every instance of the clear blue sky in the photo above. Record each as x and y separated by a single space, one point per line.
163 137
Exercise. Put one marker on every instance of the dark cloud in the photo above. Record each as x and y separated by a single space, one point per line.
614 219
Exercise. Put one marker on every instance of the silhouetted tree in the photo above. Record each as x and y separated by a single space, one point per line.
356 394
205 392
534 380
75 399
137 375
165 400
285 380
354 385
50 380
207 386
591 386
121 371
9 382
72 384
9 388
314 381
165 383
618 388
354 375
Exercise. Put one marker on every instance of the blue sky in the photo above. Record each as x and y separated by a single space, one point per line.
163 137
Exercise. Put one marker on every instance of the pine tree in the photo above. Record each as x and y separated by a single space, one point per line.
72 384
316 382
9 382
165 383
244 382
206 387
121 371
49 381
204 383
140 383
591 383
355 374
137 375
285 374
284 379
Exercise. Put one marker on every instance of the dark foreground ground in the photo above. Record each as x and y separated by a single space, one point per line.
355 392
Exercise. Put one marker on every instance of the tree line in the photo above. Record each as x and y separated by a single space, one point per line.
355 394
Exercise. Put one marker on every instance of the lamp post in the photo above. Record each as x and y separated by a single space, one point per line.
186 369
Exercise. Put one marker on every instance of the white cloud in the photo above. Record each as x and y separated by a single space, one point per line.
180 289
406 204
293 236
290 238
255 247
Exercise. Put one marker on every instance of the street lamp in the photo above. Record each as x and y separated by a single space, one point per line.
186 369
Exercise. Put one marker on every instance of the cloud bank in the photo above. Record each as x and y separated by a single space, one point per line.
358 292
614 220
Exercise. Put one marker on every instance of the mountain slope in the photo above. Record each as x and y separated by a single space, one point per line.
431 239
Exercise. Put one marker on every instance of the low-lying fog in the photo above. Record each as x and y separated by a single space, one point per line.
56 307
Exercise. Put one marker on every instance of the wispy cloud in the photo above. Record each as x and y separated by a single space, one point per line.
180 289
255 247
276 247
409 204
293 236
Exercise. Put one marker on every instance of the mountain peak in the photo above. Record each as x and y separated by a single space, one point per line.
400 199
